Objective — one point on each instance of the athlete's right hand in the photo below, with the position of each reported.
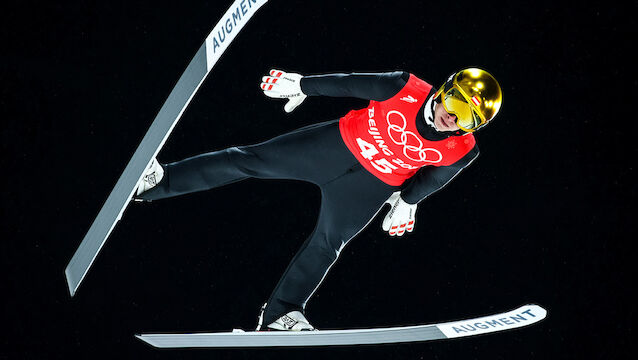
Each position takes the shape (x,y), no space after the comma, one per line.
(283,85)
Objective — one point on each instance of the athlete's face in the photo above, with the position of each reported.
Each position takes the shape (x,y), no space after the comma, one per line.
(444,121)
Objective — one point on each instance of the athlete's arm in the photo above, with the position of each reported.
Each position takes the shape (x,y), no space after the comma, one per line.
(369,86)
(429,179)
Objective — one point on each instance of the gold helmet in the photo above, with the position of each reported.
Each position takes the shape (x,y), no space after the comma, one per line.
(473,96)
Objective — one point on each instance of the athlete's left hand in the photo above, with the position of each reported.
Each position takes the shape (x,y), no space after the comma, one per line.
(284,85)
(400,218)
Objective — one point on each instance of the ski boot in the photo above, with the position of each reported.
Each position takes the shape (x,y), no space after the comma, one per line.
(152,176)
(292,321)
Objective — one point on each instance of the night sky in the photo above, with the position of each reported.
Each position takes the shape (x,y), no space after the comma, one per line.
(542,216)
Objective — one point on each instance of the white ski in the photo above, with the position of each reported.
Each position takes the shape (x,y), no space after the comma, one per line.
(216,43)
(523,316)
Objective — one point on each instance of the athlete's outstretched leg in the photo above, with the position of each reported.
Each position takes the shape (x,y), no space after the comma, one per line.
(312,153)
(348,203)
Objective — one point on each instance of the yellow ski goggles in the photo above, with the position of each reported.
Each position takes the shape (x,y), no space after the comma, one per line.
(457,104)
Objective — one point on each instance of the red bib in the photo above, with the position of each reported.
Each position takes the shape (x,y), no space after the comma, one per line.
(384,138)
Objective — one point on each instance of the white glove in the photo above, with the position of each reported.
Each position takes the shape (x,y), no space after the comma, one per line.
(284,85)
(400,218)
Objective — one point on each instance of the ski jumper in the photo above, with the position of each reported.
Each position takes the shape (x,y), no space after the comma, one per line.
(328,154)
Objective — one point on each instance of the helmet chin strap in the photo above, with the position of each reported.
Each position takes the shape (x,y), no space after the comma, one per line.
(428,112)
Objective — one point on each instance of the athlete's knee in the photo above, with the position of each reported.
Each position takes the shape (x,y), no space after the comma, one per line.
(328,245)
(238,154)
(246,159)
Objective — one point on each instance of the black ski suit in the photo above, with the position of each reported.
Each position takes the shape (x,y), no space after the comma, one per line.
(350,195)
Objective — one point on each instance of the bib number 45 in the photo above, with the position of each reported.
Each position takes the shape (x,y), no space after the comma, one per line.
(368,151)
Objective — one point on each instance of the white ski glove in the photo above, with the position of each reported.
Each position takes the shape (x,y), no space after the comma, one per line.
(284,85)
(400,218)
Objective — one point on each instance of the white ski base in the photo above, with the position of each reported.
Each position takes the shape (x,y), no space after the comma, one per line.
(523,316)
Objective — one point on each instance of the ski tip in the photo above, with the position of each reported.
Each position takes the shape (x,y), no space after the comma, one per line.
(522,316)
(537,309)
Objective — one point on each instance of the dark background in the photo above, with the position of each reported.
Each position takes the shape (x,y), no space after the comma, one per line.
(543,216)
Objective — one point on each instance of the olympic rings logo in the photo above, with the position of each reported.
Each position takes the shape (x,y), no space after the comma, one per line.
(412,145)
